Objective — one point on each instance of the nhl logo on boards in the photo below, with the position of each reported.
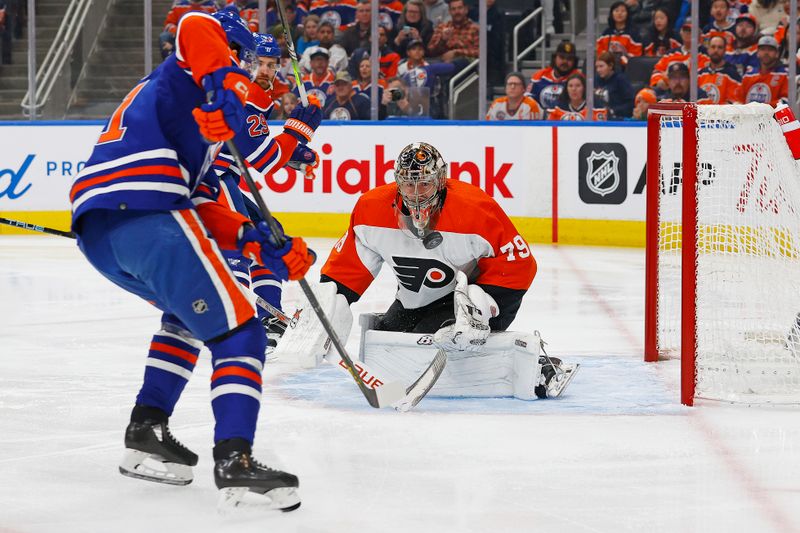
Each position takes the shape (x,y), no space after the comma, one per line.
(602,173)
(199,306)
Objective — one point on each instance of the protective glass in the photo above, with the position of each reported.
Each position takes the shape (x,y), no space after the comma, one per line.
(248,61)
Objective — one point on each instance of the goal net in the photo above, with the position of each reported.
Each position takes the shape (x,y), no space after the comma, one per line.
(723,252)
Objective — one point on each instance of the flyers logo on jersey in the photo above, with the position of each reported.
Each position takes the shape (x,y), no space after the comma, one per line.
(413,273)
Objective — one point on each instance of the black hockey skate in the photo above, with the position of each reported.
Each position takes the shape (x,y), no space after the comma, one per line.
(554,378)
(152,453)
(245,483)
(275,329)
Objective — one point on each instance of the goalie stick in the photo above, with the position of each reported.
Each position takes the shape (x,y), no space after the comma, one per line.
(413,394)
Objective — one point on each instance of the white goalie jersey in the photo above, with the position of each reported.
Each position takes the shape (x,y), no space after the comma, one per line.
(477,238)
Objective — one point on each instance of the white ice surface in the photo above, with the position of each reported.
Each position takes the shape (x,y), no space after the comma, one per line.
(616,453)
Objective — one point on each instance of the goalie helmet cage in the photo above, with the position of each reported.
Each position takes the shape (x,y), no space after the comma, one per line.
(722,281)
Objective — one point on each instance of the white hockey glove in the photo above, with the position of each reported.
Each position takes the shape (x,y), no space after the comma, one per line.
(473,309)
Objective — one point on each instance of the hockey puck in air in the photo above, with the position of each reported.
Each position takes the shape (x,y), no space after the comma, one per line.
(432,240)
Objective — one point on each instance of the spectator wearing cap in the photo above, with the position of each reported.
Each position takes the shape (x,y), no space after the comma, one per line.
(309,36)
(642,102)
(180,8)
(319,81)
(744,55)
(720,25)
(547,84)
(678,86)
(660,38)
(515,105)
(620,37)
(437,11)
(417,73)
(340,13)
(357,34)
(612,88)
(658,79)
(346,104)
(770,82)
(412,26)
(455,41)
(337,54)
(389,59)
(719,79)
(769,14)
(572,102)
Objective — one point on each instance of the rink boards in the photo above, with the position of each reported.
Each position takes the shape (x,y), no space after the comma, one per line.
(571,183)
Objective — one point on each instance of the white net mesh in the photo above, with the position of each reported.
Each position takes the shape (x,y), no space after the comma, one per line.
(748,255)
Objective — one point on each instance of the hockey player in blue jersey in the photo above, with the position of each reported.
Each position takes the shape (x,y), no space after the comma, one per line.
(136,209)
(266,155)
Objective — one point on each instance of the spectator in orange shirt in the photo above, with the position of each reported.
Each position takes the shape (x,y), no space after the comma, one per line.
(167,38)
(572,102)
(719,79)
(514,105)
(770,83)
(658,79)
(620,37)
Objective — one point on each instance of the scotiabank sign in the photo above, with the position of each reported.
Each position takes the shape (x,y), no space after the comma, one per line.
(512,164)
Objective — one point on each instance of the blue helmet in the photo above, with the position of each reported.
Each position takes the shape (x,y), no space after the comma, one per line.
(236,30)
(266,45)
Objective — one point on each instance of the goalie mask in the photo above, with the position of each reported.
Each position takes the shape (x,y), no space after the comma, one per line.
(420,173)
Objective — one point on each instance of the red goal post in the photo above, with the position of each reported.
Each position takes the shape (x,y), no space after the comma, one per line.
(723,226)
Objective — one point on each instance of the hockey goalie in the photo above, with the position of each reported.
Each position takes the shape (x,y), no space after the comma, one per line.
(462,270)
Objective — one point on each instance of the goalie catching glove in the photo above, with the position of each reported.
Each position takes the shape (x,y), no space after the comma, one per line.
(289,262)
(473,309)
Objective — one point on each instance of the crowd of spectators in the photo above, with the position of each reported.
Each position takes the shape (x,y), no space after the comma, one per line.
(421,44)
(642,56)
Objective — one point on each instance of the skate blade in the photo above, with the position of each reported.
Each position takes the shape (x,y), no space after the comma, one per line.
(148,467)
(234,500)
(560,382)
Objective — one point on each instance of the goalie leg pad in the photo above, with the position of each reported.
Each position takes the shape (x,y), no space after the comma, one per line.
(507,366)
(307,342)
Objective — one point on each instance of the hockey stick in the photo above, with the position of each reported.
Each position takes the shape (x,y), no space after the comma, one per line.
(414,394)
(382,396)
(36,227)
(301,89)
